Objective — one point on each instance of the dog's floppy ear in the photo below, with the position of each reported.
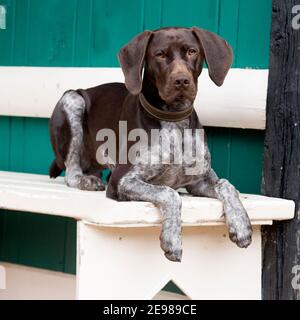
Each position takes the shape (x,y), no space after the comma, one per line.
(131,58)
(217,54)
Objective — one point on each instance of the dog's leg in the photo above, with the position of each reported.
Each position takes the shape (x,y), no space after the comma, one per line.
(169,203)
(74,107)
(240,230)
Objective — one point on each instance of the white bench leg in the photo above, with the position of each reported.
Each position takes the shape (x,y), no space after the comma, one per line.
(127,263)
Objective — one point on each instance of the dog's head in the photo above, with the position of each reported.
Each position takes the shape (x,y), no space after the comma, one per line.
(173,60)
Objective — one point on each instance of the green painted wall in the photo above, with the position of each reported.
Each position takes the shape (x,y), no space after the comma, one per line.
(89,33)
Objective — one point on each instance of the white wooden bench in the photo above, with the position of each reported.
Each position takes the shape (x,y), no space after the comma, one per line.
(118,252)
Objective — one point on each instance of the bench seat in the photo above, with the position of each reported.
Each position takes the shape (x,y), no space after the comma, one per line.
(118,253)
(40,194)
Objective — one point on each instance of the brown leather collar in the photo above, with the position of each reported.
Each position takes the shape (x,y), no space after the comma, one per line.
(171,116)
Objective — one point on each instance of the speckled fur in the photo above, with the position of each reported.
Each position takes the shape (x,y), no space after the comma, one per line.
(74,106)
(158,184)
(239,226)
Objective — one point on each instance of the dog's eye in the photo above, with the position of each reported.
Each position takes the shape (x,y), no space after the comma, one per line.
(191,51)
(160,54)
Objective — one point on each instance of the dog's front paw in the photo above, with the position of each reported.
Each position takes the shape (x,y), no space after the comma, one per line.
(172,246)
(240,230)
(91,183)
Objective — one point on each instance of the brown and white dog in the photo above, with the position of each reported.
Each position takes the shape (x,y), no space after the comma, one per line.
(172,60)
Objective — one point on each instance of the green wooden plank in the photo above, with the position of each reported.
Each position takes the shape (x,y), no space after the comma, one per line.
(237,156)
(152,14)
(42,241)
(70,247)
(19,50)
(114,23)
(220,150)
(203,13)
(83,31)
(38,153)
(90,33)
(5,142)
(50,34)
(17,144)
(7,35)
(228,23)
(254,33)
(10,244)
(246,160)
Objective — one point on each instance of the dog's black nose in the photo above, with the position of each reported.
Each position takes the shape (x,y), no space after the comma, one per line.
(181,82)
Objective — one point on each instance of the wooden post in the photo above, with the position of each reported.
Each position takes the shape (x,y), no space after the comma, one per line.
(281,242)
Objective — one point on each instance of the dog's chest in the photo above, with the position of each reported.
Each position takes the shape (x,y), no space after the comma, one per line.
(173,156)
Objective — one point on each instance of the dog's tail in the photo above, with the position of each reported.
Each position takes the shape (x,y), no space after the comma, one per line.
(54,170)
